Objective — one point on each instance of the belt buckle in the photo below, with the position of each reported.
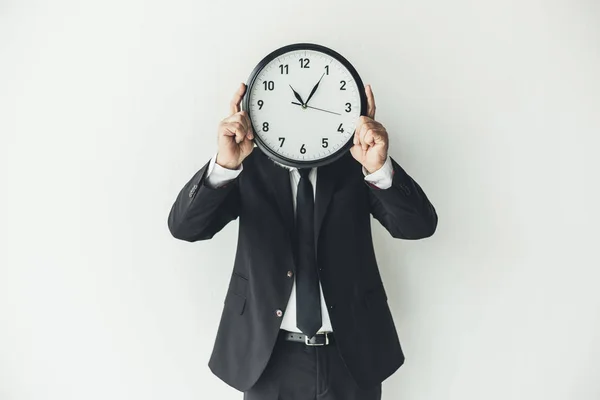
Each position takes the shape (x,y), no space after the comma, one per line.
(306,340)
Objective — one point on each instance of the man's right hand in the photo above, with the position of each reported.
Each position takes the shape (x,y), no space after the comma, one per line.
(235,135)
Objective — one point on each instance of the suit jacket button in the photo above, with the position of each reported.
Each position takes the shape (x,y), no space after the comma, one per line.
(290,274)
(193,191)
(279,313)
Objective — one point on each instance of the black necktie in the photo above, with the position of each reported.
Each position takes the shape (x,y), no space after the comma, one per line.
(308,306)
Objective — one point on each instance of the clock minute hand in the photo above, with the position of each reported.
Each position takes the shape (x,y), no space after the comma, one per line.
(315,108)
(297,96)
(314,89)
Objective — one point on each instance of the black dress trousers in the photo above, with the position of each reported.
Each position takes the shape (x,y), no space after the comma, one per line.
(296,371)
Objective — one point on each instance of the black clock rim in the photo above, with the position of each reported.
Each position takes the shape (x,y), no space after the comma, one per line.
(294,47)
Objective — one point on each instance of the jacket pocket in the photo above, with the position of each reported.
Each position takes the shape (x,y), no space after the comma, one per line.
(238,284)
(375,297)
(235,302)
(235,299)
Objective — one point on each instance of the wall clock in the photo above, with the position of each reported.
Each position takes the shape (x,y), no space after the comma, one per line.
(304,101)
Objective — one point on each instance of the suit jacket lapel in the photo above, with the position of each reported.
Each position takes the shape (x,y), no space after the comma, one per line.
(326,183)
(279,179)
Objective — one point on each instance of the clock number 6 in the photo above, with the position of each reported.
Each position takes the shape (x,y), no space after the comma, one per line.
(302,149)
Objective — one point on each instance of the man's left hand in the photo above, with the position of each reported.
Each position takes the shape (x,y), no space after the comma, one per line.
(370,138)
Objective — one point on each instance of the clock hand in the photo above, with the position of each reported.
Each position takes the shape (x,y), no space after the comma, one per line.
(314,90)
(315,108)
(297,96)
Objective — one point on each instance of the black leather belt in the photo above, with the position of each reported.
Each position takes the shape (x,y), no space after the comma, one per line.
(320,339)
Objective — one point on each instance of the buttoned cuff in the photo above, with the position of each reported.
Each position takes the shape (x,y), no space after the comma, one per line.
(217,176)
(382,178)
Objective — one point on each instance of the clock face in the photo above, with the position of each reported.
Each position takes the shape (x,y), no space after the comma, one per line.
(304,102)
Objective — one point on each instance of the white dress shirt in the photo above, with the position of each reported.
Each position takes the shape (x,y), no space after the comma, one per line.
(217,176)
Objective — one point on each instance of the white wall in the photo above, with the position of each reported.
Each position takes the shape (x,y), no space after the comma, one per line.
(107,108)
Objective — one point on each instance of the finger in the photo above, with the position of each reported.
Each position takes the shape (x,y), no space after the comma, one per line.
(234,106)
(370,102)
(224,129)
(361,121)
(246,146)
(235,129)
(379,135)
(248,125)
(363,132)
(240,118)
(369,126)
(369,139)
(355,140)
(240,135)
(360,129)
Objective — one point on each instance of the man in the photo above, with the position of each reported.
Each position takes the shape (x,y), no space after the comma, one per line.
(305,315)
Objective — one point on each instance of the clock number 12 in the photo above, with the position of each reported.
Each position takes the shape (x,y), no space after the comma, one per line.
(304,63)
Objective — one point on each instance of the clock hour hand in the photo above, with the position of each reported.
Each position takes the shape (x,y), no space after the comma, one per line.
(297,96)
(315,108)
(314,89)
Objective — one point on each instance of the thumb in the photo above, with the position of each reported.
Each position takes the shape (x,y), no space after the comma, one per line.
(370,102)
(246,146)
(356,152)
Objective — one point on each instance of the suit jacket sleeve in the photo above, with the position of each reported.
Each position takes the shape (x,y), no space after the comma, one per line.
(403,209)
(201,210)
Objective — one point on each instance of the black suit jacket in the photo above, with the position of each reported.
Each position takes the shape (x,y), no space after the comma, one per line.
(259,286)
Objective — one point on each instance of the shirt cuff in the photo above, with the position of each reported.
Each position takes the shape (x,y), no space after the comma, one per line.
(217,176)
(382,178)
